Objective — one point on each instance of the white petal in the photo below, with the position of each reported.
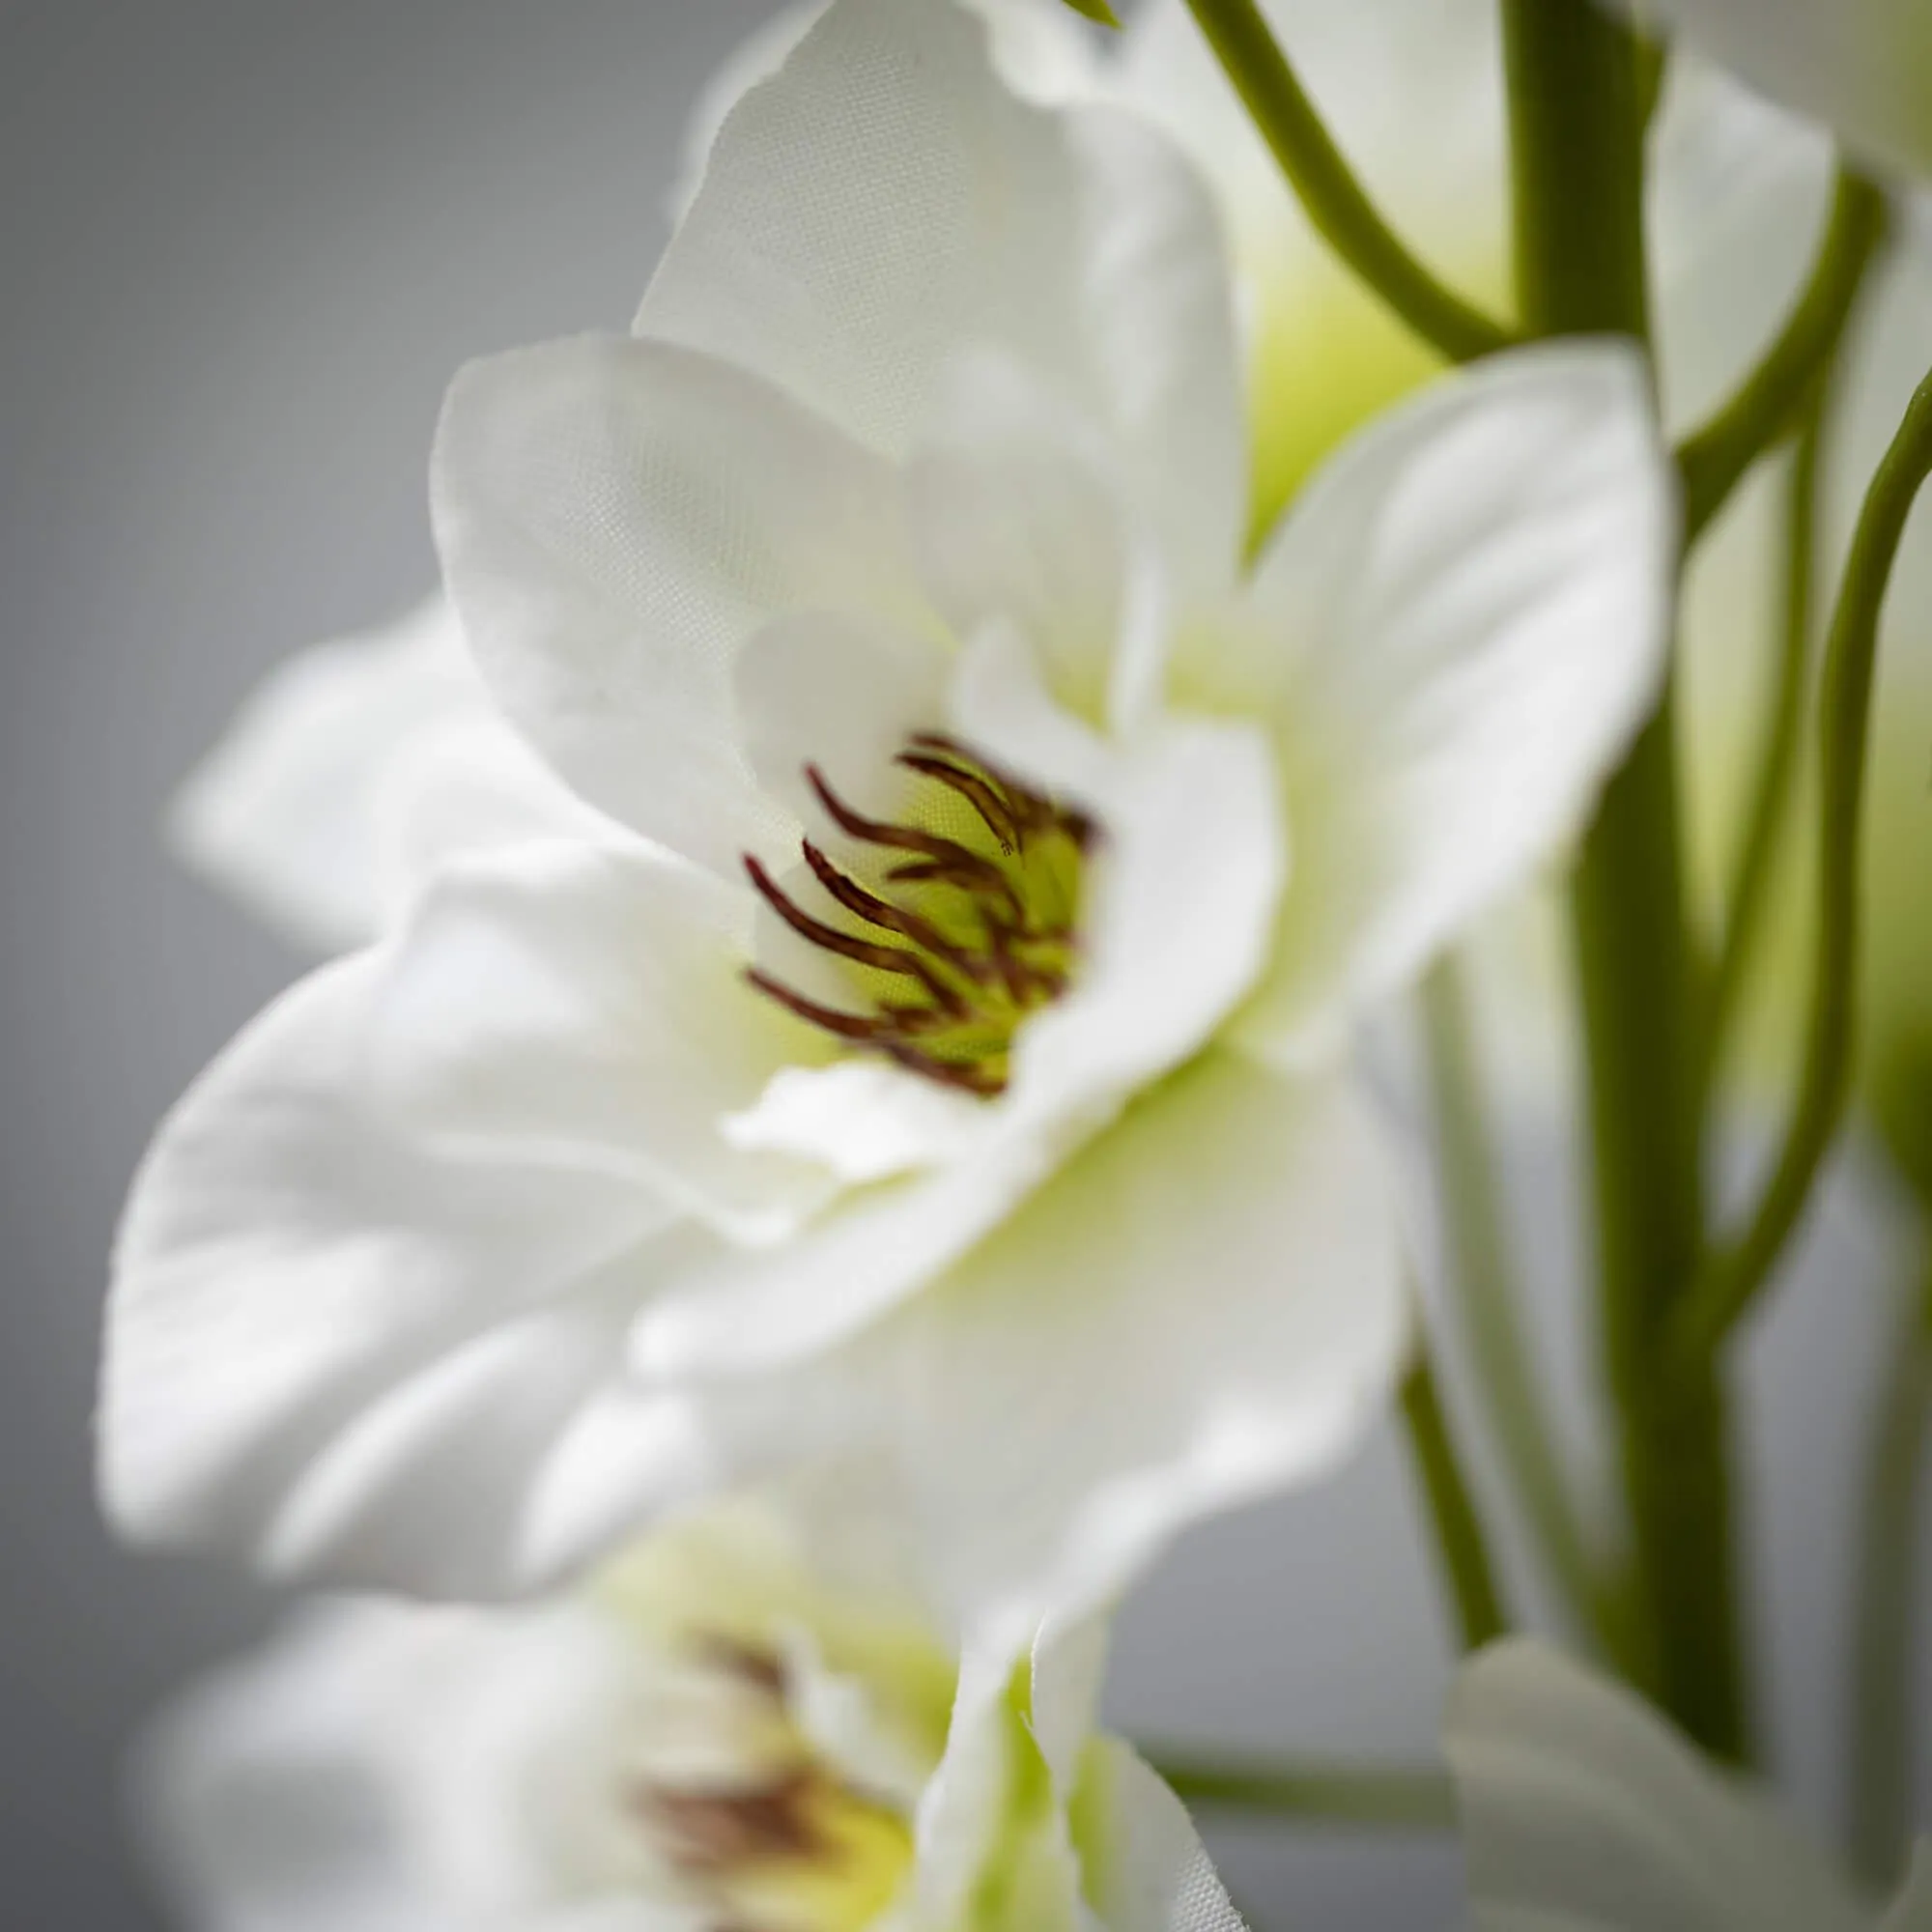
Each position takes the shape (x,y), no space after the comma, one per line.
(285,813)
(1454,635)
(1040,52)
(885,204)
(845,695)
(1017,520)
(1206,1304)
(1152,1872)
(1582,1812)
(1737,193)
(1862,66)
(309,1310)
(616,521)
(584,1009)
(382,1768)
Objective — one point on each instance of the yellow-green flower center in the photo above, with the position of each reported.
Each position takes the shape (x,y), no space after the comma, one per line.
(785,1843)
(971,926)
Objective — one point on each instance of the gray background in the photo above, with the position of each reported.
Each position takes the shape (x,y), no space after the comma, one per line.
(242,245)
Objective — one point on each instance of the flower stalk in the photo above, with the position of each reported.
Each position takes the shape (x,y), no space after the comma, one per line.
(1891,1564)
(1575,84)
(1736,1273)
(1328,1795)
(1459,1531)
(1486,1289)
(1335,201)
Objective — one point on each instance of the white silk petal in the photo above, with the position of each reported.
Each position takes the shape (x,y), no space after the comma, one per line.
(328,1346)
(950,218)
(1582,1812)
(570,1008)
(1456,634)
(1863,68)
(616,520)
(1205,1305)
(1155,1874)
(350,770)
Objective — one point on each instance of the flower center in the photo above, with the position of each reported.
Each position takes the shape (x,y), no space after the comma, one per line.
(982,907)
(784,1843)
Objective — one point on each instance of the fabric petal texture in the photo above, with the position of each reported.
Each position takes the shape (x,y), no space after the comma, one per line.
(1863,68)
(1582,1812)
(1457,631)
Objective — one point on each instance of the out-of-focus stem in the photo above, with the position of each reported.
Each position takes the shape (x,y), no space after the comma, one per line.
(1460,1541)
(1736,1273)
(1486,1293)
(1771,799)
(1576,81)
(1320,1794)
(1891,1564)
(1335,201)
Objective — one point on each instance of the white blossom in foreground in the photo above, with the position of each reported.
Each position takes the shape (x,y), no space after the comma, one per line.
(1861,67)
(972,1089)
(1582,1812)
(716,1736)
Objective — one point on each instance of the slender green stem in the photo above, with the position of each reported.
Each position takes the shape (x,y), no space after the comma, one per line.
(1576,97)
(1736,1273)
(1320,1794)
(1715,459)
(1459,1531)
(1890,1570)
(1486,1293)
(1335,201)
(1769,813)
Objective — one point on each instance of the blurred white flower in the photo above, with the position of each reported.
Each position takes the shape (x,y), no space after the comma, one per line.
(733,1730)
(1861,67)
(897,559)
(354,772)
(1582,1812)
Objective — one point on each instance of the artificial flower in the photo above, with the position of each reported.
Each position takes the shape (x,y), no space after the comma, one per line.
(1582,1812)
(737,1726)
(970,1085)
(1861,67)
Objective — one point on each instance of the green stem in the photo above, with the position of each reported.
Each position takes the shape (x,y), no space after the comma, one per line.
(1736,1273)
(1321,1794)
(1575,121)
(1335,201)
(1715,459)
(1485,1288)
(1890,1562)
(1452,1510)
(1767,816)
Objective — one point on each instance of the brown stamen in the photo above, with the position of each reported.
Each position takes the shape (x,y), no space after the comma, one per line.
(882,913)
(901,837)
(992,809)
(864,952)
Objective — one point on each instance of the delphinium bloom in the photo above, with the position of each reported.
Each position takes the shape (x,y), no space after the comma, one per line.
(1582,1812)
(955,1065)
(743,1724)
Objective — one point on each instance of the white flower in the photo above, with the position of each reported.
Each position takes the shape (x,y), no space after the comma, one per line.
(1582,1812)
(720,1735)
(899,555)
(1862,66)
(354,772)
